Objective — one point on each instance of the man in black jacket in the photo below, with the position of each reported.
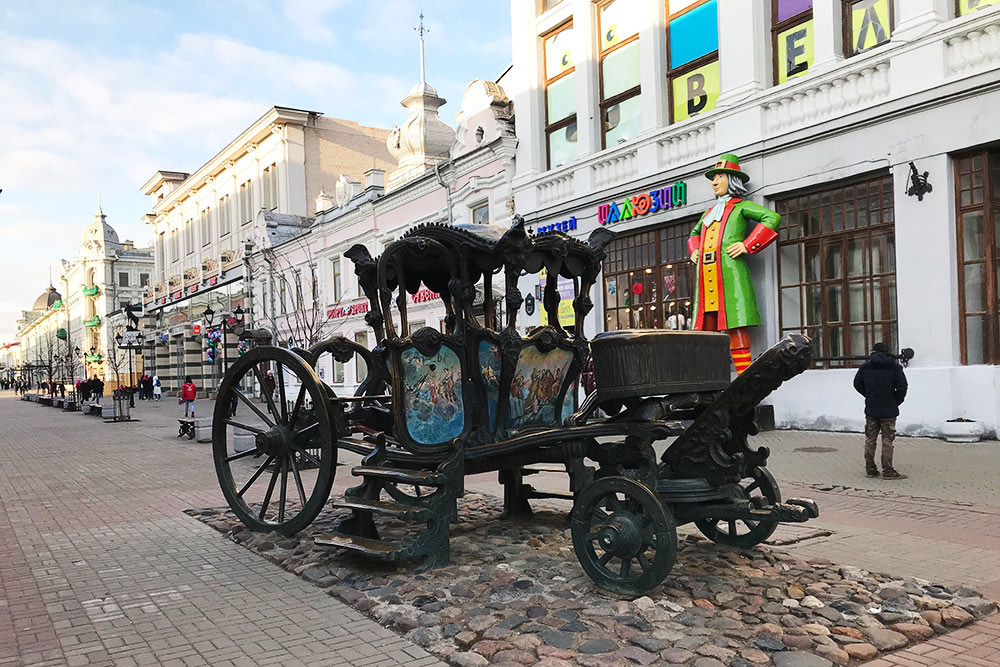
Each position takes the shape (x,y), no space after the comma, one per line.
(881,381)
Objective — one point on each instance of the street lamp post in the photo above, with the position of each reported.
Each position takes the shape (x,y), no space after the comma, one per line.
(238,316)
(130,344)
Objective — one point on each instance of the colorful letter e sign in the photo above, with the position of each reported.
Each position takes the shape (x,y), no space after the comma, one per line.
(795,51)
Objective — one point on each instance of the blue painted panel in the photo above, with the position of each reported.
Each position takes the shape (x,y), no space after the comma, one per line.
(694,34)
(534,393)
(432,395)
(489,368)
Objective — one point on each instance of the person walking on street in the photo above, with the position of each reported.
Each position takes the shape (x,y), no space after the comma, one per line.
(188,394)
(882,382)
(157,389)
(269,385)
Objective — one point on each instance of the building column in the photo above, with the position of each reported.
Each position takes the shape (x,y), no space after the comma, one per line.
(915,16)
(744,69)
(588,72)
(911,69)
(926,265)
(828,34)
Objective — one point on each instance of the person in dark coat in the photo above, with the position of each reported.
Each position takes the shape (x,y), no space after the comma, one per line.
(882,382)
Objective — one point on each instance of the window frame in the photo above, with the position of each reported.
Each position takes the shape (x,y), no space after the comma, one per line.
(624,255)
(778,28)
(673,73)
(479,207)
(336,281)
(635,91)
(848,27)
(958,9)
(189,236)
(206,226)
(359,361)
(551,127)
(225,216)
(990,209)
(882,284)
(125,275)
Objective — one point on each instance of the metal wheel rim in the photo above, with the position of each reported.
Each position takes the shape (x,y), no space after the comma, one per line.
(624,537)
(744,532)
(280,465)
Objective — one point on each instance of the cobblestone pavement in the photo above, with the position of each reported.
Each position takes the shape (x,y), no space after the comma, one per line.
(99,565)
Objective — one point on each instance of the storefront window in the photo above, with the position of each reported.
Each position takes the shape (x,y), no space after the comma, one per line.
(867,24)
(977,177)
(791,38)
(837,268)
(692,57)
(648,279)
(560,96)
(970,6)
(619,57)
(361,368)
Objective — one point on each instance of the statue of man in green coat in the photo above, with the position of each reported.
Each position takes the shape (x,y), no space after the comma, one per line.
(724,296)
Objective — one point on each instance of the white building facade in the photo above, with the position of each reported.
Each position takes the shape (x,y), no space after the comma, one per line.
(204,223)
(86,312)
(307,285)
(827,103)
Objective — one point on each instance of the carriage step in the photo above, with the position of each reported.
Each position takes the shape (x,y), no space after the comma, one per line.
(810,505)
(401,475)
(363,545)
(406,512)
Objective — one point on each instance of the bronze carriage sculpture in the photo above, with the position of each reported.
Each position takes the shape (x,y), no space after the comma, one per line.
(479,397)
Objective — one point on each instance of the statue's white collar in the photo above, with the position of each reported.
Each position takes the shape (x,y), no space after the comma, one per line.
(717,211)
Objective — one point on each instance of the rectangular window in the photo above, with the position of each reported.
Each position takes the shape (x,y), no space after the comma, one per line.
(189,236)
(123,279)
(225,216)
(143,280)
(969,6)
(361,368)
(692,57)
(618,26)
(481,214)
(269,187)
(546,5)
(338,291)
(246,203)
(560,96)
(206,226)
(977,191)
(415,326)
(648,279)
(281,294)
(175,246)
(867,24)
(161,251)
(791,38)
(837,268)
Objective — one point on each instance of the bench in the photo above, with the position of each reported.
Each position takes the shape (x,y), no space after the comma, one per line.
(185,427)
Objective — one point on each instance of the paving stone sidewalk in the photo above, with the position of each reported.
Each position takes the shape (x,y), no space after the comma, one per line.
(99,565)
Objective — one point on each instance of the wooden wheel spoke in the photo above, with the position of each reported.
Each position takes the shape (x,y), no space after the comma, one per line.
(299,400)
(298,479)
(249,404)
(304,431)
(644,563)
(593,537)
(267,393)
(249,452)
(245,427)
(751,524)
(599,514)
(267,496)
(732,527)
(752,486)
(281,392)
(283,497)
(254,477)
(626,566)
(603,560)
(307,456)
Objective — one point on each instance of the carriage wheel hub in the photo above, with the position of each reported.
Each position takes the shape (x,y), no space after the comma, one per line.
(621,536)
(275,442)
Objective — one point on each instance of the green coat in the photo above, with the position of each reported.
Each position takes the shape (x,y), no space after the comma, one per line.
(738,307)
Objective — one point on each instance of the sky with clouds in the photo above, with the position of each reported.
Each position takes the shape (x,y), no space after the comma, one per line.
(98,95)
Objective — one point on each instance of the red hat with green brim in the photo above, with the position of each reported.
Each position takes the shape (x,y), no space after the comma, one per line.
(728,164)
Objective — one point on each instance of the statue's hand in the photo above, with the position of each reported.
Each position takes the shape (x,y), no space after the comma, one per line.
(694,256)
(736,249)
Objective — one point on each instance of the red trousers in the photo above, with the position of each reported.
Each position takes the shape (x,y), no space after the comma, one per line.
(739,341)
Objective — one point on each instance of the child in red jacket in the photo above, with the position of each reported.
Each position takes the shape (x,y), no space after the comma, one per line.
(188,394)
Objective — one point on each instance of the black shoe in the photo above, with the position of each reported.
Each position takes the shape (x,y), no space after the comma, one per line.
(872,473)
(893,474)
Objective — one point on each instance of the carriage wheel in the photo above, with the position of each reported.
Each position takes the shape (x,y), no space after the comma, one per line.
(283,480)
(760,489)
(624,537)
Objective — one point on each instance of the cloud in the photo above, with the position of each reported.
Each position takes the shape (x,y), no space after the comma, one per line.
(308,17)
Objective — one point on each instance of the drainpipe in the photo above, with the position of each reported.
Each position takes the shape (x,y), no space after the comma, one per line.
(447,191)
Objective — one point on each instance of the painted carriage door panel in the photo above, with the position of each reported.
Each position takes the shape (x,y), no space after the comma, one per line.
(534,392)
(489,370)
(432,395)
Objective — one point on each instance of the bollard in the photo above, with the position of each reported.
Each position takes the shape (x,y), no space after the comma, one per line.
(203,429)
(243,440)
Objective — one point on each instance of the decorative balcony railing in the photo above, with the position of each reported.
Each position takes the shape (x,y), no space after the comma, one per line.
(555,189)
(615,169)
(977,49)
(93,290)
(93,322)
